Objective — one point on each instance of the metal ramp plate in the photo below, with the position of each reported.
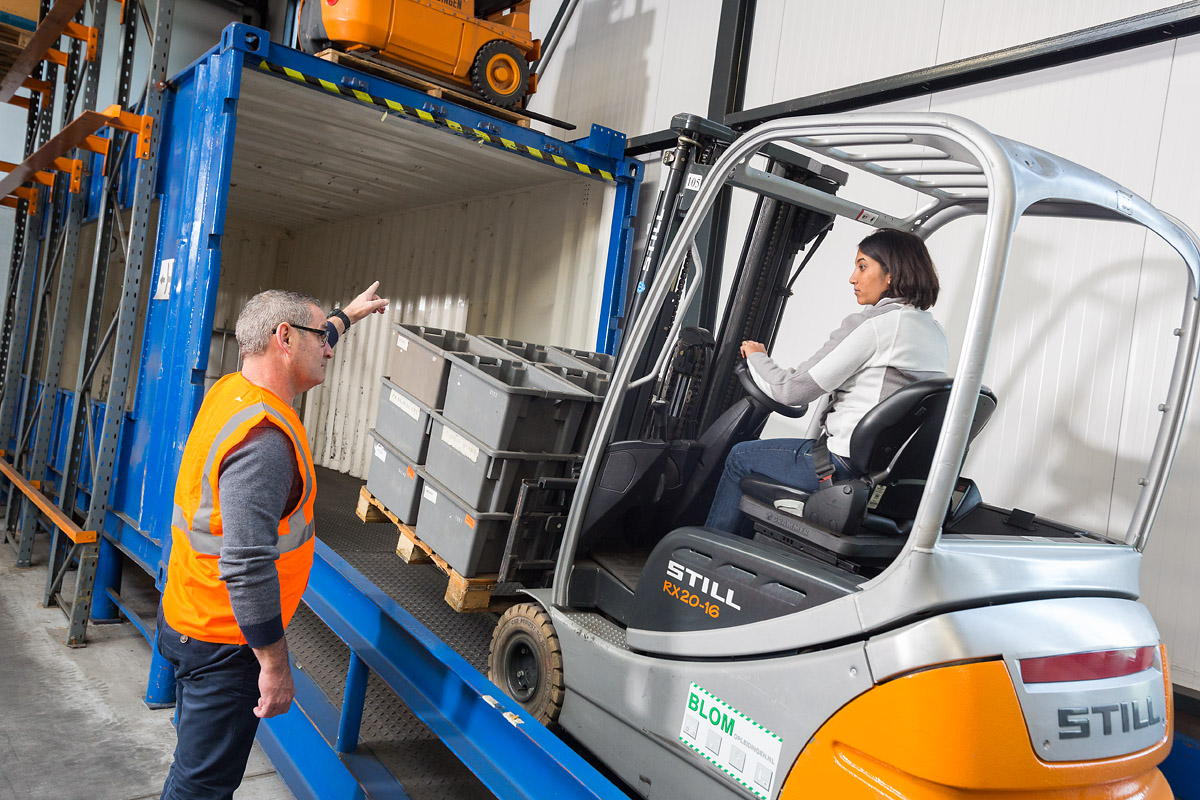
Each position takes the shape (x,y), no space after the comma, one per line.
(418,759)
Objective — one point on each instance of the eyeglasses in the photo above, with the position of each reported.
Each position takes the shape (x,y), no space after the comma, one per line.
(322,334)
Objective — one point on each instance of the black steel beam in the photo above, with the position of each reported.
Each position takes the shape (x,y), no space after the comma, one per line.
(735,34)
(1112,37)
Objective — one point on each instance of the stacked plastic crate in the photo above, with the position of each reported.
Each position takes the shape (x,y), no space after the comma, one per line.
(464,420)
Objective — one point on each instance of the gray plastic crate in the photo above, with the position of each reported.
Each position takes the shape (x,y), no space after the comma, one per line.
(485,478)
(512,405)
(595,384)
(394,480)
(403,421)
(583,368)
(601,362)
(543,354)
(471,541)
(418,362)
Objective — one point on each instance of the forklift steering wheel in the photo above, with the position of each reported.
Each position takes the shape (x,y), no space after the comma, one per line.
(761,398)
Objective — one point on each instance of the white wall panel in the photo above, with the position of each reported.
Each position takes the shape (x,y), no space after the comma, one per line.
(1061,346)
(982,26)
(1169,585)
(527,265)
(629,65)
(804,48)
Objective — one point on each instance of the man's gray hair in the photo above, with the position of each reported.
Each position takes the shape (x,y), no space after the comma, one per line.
(263,313)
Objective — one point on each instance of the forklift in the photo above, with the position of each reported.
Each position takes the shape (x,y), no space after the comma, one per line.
(483,45)
(888,635)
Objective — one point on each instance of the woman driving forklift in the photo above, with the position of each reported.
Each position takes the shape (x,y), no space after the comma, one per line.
(892,342)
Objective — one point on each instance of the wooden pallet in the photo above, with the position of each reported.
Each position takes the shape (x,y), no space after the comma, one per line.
(12,42)
(391,72)
(462,594)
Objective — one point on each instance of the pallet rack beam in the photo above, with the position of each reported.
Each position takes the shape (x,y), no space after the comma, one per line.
(80,133)
(52,26)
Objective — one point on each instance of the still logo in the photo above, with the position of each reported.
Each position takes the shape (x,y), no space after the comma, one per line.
(1077,723)
(701,584)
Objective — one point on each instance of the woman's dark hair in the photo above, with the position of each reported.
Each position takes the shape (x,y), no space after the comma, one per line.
(905,258)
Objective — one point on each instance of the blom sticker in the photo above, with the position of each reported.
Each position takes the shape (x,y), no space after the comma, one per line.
(731,741)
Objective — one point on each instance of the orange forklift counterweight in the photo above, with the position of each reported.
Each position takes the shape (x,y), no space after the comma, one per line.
(958,732)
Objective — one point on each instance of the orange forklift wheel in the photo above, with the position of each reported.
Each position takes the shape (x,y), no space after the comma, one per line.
(500,74)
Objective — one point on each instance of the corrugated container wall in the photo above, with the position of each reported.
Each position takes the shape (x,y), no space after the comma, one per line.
(1084,342)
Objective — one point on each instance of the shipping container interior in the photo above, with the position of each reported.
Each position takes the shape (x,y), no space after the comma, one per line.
(326,196)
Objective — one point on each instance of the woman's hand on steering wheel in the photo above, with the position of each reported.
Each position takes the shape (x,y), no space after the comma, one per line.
(757,395)
(749,347)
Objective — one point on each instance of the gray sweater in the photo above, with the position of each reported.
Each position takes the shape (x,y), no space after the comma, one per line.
(873,353)
(259,485)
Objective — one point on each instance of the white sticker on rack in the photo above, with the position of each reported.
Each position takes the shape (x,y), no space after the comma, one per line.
(429,494)
(401,342)
(380,453)
(866,216)
(731,741)
(457,442)
(404,404)
(165,270)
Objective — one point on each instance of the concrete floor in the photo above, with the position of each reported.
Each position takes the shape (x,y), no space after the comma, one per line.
(72,721)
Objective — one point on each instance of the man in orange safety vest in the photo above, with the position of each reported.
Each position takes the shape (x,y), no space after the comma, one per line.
(242,539)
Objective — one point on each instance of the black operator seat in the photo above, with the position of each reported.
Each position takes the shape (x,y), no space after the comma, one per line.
(867,517)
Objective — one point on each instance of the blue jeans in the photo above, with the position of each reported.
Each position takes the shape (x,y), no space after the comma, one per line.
(788,461)
(216,692)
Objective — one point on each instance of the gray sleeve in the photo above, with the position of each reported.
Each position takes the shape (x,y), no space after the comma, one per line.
(254,485)
(837,360)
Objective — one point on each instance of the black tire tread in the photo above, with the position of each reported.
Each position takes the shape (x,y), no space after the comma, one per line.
(479,77)
(537,623)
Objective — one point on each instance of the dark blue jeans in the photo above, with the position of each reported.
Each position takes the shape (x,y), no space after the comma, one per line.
(788,461)
(216,690)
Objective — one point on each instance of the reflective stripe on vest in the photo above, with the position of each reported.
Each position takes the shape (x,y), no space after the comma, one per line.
(200,534)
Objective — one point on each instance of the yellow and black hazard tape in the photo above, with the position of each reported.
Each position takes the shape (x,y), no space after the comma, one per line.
(425,116)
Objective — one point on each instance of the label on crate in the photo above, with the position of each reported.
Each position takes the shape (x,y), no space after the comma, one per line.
(470,521)
(404,404)
(380,453)
(429,494)
(402,342)
(458,443)
(725,737)
(412,474)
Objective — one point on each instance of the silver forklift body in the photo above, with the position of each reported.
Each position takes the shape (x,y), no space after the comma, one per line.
(658,703)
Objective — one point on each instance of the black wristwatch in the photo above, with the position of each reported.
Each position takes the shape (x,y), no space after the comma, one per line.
(337,312)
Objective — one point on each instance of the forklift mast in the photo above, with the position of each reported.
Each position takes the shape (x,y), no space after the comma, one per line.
(697,384)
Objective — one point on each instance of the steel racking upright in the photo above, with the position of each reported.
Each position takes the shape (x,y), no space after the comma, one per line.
(46,246)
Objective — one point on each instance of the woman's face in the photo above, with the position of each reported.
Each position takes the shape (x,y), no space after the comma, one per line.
(869,280)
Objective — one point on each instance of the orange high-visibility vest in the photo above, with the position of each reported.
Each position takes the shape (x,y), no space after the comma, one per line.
(196,601)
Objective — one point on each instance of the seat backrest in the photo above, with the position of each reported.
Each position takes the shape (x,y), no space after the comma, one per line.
(897,437)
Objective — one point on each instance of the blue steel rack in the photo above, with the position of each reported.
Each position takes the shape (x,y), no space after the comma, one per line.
(512,753)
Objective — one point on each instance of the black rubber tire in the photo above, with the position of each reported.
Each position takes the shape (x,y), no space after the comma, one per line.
(494,60)
(525,661)
(310,34)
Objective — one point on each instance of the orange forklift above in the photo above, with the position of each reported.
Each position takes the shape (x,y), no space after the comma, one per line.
(481,44)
